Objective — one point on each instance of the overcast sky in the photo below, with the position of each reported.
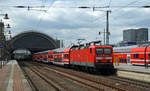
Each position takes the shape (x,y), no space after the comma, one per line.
(64,22)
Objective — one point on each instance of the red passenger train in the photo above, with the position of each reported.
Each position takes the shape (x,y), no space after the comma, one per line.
(91,56)
(122,54)
(139,55)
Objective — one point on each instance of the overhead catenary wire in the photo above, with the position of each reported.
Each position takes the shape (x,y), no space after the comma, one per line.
(109,3)
(128,6)
(121,7)
(44,15)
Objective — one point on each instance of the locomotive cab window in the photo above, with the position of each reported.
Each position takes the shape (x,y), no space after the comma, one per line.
(107,50)
(99,50)
(136,55)
(90,50)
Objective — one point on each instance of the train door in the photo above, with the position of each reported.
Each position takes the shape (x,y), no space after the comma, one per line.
(128,58)
(116,60)
(62,58)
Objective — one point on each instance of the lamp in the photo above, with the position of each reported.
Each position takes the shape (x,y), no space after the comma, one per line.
(6,16)
(9,32)
(8,26)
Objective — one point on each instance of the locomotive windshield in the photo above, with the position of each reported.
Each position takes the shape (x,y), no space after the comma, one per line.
(99,50)
(103,50)
(107,50)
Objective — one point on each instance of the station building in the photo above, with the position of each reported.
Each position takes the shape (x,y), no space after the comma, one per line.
(134,37)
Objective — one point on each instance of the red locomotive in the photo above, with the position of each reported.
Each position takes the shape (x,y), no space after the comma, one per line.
(91,56)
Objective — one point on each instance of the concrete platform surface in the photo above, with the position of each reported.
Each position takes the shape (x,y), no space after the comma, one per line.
(12,78)
(130,67)
(138,72)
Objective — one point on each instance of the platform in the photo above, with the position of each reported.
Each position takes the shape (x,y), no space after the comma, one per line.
(130,67)
(12,78)
(138,72)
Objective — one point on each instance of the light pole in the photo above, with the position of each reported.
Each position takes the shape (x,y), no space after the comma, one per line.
(107,27)
(7,33)
(104,35)
(2,40)
(5,16)
(6,42)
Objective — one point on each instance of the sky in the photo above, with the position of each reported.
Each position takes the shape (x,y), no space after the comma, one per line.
(62,20)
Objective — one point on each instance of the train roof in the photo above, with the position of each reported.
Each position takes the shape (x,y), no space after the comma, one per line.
(124,48)
(55,50)
(42,52)
(59,50)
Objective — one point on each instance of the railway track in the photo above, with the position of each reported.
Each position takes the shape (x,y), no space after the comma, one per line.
(50,81)
(101,82)
(30,81)
(73,79)
(36,74)
(132,82)
(42,73)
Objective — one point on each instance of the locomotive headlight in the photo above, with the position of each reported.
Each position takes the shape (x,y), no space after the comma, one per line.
(97,60)
(110,60)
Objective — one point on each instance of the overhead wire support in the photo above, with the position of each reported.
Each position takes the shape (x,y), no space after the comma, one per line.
(107,27)
(84,7)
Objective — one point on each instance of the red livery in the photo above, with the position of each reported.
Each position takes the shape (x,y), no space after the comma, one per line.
(140,55)
(132,54)
(91,56)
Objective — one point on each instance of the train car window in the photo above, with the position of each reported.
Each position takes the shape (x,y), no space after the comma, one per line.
(90,50)
(66,56)
(125,60)
(149,56)
(50,56)
(121,60)
(107,51)
(99,51)
(136,55)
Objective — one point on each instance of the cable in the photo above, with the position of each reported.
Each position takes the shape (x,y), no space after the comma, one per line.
(116,10)
(127,5)
(109,3)
(119,8)
(44,14)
